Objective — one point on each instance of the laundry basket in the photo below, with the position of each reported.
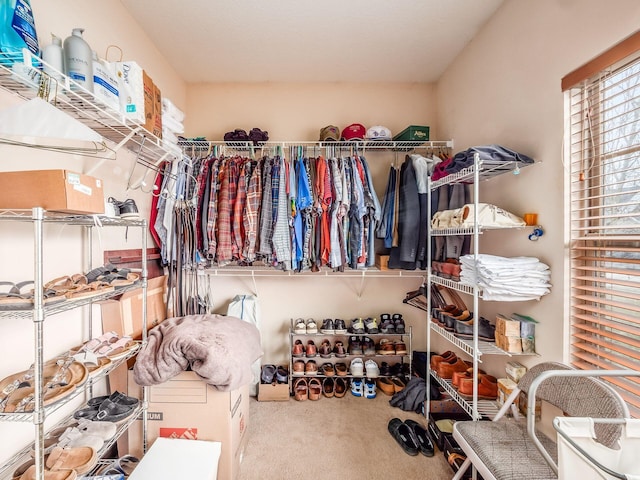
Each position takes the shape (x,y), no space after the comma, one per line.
(580,456)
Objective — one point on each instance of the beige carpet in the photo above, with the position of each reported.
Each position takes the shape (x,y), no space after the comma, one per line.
(332,438)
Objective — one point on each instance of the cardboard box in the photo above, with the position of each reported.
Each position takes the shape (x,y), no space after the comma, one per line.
(273,392)
(505,387)
(515,370)
(56,190)
(157,112)
(124,316)
(507,327)
(178,458)
(186,407)
(382,262)
(509,344)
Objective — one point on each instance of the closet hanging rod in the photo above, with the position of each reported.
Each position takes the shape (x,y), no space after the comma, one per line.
(200,145)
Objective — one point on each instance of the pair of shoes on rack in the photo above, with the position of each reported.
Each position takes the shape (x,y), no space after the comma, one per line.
(363,387)
(486,331)
(124,465)
(61,377)
(304,389)
(272,374)
(335,387)
(115,408)
(302,326)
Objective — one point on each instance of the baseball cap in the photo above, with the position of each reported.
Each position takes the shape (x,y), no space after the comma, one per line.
(378,133)
(355,131)
(330,132)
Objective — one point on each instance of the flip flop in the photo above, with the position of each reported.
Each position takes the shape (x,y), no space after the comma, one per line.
(13,299)
(96,342)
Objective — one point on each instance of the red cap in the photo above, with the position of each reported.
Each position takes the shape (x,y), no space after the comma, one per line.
(355,131)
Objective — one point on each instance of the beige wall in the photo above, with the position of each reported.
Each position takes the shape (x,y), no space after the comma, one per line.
(505,88)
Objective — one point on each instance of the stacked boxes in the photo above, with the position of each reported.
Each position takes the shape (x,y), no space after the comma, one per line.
(515,334)
(140,100)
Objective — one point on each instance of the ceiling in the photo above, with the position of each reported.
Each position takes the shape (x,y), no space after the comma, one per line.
(311,40)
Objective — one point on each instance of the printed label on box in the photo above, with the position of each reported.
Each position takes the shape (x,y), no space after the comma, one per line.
(185,433)
(73,178)
(83,189)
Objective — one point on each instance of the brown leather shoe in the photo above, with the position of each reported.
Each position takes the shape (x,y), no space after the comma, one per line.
(398,384)
(340,388)
(400,348)
(386,347)
(328,387)
(436,359)
(315,389)
(446,368)
(487,387)
(298,349)
(326,349)
(300,389)
(341,369)
(311,350)
(458,376)
(311,368)
(298,368)
(386,386)
(327,369)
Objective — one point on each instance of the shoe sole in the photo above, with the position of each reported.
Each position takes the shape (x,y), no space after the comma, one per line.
(328,332)
(340,332)
(358,373)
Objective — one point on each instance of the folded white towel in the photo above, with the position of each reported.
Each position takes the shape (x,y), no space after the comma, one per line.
(170,110)
(172,124)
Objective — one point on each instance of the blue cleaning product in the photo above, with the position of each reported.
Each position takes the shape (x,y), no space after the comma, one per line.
(17,31)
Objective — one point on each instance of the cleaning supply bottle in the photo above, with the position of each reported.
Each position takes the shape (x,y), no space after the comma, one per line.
(54,58)
(78,60)
(17,31)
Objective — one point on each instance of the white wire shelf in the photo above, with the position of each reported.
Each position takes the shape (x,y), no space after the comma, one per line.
(69,304)
(28,416)
(445,232)
(265,271)
(6,470)
(486,408)
(452,284)
(484,348)
(82,105)
(200,145)
(487,169)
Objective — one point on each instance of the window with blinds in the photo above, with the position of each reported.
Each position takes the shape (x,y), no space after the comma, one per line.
(604,173)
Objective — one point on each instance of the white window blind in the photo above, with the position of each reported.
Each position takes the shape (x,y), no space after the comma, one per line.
(604,150)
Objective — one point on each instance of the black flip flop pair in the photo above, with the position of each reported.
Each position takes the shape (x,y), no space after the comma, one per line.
(411,436)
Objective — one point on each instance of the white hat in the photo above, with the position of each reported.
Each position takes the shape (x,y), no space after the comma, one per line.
(378,132)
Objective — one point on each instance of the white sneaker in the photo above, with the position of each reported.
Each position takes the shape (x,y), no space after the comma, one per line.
(312,326)
(369,388)
(372,369)
(356,367)
(300,327)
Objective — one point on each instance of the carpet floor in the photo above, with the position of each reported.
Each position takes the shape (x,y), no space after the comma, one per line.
(332,438)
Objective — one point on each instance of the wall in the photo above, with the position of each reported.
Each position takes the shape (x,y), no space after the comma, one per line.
(297,112)
(505,88)
(106,23)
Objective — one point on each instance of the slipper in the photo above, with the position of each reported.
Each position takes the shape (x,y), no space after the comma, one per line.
(104,430)
(30,474)
(80,459)
(115,397)
(117,348)
(13,299)
(127,464)
(90,290)
(22,399)
(96,342)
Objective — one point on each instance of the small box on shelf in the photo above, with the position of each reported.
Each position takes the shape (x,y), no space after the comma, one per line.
(382,262)
(273,392)
(515,370)
(505,388)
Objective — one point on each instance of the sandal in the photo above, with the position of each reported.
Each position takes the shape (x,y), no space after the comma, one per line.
(90,290)
(13,299)
(80,459)
(117,348)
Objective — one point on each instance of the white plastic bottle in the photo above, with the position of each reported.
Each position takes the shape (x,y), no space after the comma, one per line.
(53,57)
(78,58)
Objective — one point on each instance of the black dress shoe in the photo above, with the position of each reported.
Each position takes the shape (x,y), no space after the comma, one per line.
(404,436)
(424,442)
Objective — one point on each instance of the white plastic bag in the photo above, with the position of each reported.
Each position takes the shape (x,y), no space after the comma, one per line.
(572,464)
